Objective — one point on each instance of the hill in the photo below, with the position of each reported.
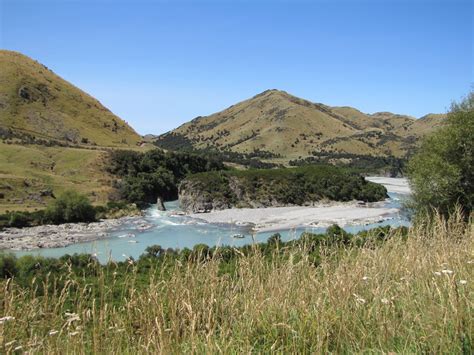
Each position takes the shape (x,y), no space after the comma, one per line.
(36,102)
(53,136)
(288,127)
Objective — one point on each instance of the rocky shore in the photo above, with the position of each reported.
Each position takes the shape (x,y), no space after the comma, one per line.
(54,236)
(283,218)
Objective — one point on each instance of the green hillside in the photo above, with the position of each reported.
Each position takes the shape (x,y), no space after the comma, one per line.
(291,128)
(53,136)
(35,101)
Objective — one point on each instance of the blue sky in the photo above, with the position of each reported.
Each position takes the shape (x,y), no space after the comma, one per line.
(158,64)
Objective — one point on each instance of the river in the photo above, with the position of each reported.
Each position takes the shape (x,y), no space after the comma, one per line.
(169,230)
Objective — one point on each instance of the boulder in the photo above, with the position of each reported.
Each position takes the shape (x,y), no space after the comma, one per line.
(160,205)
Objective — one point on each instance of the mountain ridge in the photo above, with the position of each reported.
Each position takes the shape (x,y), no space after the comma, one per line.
(292,127)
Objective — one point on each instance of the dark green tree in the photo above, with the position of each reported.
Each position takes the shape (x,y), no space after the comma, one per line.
(442,172)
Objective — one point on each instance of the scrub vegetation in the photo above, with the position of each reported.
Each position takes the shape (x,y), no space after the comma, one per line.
(276,187)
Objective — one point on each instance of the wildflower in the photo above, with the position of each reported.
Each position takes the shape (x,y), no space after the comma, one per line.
(437,273)
(463,282)
(365,278)
(359,299)
(6,319)
(53,332)
(447,271)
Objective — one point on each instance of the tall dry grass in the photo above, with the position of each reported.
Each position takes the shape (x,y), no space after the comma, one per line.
(412,296)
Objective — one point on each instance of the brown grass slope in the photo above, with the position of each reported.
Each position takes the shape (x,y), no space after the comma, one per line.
(34,100)
(280,123)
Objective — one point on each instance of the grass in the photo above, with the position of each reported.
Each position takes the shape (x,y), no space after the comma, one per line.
(52,107)
(26,170)
(412,295)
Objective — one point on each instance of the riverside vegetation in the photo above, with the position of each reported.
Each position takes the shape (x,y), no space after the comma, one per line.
(380,291)
(275,187)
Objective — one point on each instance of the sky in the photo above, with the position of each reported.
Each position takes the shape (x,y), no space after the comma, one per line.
(158,64)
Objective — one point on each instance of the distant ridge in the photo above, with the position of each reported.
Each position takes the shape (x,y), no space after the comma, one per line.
(36,101)
(285,125)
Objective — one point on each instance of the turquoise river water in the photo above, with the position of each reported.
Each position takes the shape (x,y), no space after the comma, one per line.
(177,232)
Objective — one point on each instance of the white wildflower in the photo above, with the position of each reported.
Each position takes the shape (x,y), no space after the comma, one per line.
(359,299)
(365,278)
(463,282)
(447,271)
(6,319)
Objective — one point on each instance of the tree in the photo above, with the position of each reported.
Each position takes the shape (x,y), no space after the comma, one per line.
(442,172)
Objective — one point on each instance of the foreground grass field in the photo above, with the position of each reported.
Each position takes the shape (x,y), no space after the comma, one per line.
(406,295)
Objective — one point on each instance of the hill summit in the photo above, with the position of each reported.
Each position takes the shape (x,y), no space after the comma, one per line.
(37,102)
(290,127)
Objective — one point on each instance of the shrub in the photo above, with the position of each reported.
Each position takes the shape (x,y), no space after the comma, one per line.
(18,220)
(70,207)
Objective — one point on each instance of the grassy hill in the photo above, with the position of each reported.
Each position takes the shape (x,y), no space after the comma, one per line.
(35,101)
(53,136)
(29,174)
(277,122)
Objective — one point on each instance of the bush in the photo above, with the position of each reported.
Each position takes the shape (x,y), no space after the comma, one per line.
(70,207)
(18,220)
(442,172)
